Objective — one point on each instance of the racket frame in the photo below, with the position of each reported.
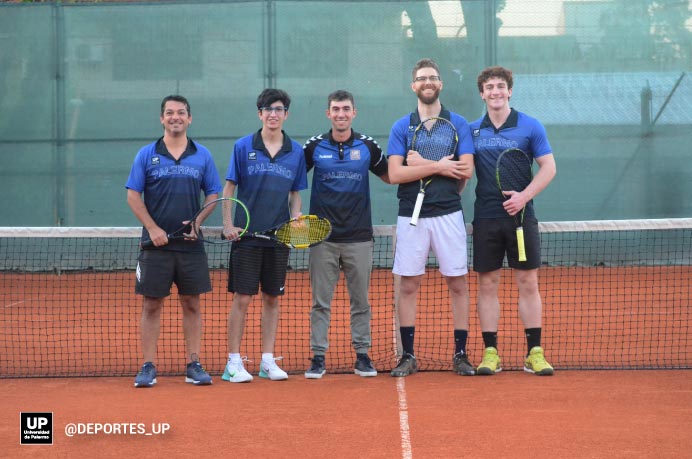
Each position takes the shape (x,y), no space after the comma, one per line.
(194,228)
(272,233)
(519,221)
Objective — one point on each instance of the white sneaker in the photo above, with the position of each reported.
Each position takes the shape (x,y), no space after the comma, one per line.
(236,372)
(272,371)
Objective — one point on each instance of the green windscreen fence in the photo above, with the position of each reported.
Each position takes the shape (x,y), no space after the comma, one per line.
(81,84)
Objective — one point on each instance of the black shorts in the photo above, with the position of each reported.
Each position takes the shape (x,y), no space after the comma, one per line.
(157,270)
(250,266)
(493,238)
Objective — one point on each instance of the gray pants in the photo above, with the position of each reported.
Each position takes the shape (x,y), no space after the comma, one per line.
(325,261)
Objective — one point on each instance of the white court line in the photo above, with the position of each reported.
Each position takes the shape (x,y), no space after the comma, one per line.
(403,420)
(14,304)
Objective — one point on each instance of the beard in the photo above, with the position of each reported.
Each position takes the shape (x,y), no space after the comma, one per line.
(428,100)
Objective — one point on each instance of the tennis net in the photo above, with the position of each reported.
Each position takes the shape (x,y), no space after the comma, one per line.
(616,295)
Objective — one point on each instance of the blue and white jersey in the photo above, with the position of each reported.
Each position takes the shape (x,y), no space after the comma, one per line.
(519,131)
(263,182)
(172,188)
(442,194)
(341,184)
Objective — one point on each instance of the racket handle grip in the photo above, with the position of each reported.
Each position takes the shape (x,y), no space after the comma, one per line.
(416,208)
(520,244)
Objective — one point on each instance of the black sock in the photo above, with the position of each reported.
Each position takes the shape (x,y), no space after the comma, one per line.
(407,338)
(490,339)
(533,338)
(460,337)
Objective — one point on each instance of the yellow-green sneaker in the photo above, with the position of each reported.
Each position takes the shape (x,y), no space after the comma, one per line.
(490,363)
(535,363)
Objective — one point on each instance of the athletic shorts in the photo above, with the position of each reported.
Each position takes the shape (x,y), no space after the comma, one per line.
(493,238)
(157,270)
(444,235)
(250,266)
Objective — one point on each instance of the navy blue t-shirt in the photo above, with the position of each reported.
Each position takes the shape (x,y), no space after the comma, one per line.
(341,185)
(519,131)
(171,187)
(263,182)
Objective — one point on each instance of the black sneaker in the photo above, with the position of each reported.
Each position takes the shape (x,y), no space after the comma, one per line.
(407,366)
(197,375)
(364,366)
(462,366)
(146,376)
(317,369)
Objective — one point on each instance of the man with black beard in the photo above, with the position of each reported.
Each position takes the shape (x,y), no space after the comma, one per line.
(441,225)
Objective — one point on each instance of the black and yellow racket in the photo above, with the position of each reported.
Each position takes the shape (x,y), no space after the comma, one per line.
(214,215)
(513,173)
(433,139)
(297,233)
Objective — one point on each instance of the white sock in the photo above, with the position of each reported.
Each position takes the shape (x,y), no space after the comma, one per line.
(267,357)
(234,358)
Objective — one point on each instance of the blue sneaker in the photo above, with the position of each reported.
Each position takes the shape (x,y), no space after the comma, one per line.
(363,366)
(317,369)
(146,376)
(196,374)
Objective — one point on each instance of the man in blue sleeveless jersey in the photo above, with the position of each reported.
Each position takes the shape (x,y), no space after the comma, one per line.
(163,191)
(494,229)
(441,226)
(341,193)
(268,170)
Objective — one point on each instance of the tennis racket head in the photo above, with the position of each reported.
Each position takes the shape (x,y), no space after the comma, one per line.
(228,215)
(303,232)
(434,138)
(214,215)
(513,170)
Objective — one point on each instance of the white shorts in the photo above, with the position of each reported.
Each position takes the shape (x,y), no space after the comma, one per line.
(445,235)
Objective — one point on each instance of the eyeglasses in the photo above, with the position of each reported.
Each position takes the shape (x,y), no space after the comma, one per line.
(172,112)
(277,110)
(422,79)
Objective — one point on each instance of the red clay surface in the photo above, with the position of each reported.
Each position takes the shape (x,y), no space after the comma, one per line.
(574,414)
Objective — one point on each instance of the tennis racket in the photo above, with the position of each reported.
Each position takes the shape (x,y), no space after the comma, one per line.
(214,214)
(513,173)
(433,139)
(297,233)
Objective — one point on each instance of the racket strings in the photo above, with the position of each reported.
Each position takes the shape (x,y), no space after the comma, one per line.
(437,142)
(514,171)
(304,231)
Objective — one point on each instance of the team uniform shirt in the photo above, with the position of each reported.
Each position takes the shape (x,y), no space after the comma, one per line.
(442,194)
(172,187)
(519,131)
(263,182)
(340,183)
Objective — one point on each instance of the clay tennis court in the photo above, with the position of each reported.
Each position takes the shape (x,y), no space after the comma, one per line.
(577,413)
